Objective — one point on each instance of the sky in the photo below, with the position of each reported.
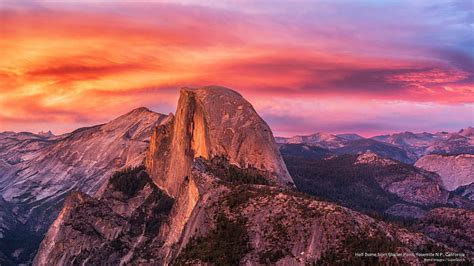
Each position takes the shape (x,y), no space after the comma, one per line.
(369,67)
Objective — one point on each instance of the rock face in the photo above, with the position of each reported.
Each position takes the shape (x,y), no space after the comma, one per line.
(407,182)
(368,183)
(229,200)
(254,224)
(455,170)
(212,122)
(14,147)
(466,192)
(38,171)
(228,223)
(124,221)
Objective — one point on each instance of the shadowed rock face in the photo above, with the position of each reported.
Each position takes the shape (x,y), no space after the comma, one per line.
(466,192)
(37,172)
(455,170)
(111,229)
(211,122)
(268,224)
(278,226)
(81,160)
(232,202)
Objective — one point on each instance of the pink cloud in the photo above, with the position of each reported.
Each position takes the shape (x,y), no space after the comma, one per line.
(85,63)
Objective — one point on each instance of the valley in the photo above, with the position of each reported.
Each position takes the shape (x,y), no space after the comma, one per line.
(211,184)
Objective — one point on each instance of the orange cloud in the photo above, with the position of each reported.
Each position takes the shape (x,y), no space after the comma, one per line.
(72,67)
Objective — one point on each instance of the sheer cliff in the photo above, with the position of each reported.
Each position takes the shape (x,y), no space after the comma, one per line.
(223,196)
(38,171)
(212,122)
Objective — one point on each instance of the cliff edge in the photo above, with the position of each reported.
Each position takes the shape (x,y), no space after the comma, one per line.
(213,122)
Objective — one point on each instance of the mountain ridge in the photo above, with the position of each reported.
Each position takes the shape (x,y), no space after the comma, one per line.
(214,157)
(226,209)
(404,146)
(37,172)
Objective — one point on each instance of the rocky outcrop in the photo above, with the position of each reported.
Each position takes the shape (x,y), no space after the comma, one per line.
(209,123)
(212,122)
(355,180)
(37,172)
(455,170)
(215,220)
(230,201)
(410,184)
(255,224)
(120,227)
(466,192)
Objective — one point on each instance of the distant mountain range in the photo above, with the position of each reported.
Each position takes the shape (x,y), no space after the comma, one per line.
(37,172)
(405,146)
(368,182)
(450,155)
(210,185)
(424,180)
(215,190)
(390,190)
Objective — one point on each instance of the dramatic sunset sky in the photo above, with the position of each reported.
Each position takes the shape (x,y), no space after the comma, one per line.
(368,67)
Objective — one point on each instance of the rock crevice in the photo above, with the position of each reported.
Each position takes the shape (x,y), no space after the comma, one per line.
(212,122)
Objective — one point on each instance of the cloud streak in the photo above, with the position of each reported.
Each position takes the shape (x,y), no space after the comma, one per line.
(70,63)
